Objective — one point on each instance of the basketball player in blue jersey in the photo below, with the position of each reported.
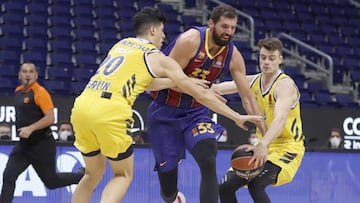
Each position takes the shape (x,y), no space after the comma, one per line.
(102,115)
(283,142)
(177,121)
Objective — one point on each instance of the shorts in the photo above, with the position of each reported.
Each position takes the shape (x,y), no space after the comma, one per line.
(171,130)
(101,124)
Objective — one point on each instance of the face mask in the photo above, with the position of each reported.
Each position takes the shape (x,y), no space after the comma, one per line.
(5,137)
(253,140)
(335,142)
(222,138)
(64,135)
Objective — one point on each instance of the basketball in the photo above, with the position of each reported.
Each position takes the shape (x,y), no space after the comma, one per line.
(239,162)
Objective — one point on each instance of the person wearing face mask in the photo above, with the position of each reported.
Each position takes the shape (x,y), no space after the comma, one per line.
(253,139)
(5,131)
(335,139)
(65,131)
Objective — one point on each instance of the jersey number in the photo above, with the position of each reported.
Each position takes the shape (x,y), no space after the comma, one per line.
(111,65)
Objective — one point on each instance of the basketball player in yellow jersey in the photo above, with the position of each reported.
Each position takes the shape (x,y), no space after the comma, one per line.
(283,143)
(102,116)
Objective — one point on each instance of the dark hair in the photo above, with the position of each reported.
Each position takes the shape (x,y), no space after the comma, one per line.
(29,63)
(223,10)
(335,130)
(63,123)
(271,44)
(147,17)
(5,124)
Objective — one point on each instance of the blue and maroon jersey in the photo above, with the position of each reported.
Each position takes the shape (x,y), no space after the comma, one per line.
(203,66)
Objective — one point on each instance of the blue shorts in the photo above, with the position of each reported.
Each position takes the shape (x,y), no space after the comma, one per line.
(172,129)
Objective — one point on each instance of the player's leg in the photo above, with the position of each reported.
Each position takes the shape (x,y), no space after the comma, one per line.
(204,154)
(16,164)
(164,131)
(123,169)
(43,159)
(95,167)
(200,140)
(258,184)
(229,184)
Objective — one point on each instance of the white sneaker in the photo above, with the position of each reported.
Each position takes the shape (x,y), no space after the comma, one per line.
(180,198)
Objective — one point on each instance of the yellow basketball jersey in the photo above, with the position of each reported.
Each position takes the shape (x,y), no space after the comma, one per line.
(125,73)
(287,150)
(267,100)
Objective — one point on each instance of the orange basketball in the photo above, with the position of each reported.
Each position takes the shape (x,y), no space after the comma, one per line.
(239,162)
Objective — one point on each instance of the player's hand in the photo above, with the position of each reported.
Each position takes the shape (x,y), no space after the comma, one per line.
(251,118)
(260,154)
(25,132)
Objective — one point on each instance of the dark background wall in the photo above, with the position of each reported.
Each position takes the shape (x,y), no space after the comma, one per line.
(316,121)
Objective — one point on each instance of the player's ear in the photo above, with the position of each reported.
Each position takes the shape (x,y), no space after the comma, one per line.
(211,23)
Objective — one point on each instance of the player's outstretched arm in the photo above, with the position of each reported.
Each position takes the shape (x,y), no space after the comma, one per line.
(167,67)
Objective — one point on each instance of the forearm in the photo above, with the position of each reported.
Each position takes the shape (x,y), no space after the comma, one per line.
(251,107)
(274,130)
(44,122)
(227,87)
(209,100)
(160,83)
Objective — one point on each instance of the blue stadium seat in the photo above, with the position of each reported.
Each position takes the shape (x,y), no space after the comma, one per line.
(355,76)
(60,9)
(59,21)
(56,87)
(77,87)
(108,35)
(60,33)
(36,31)
(9,56)
(12,18)
(13,6)
(85,47)
(14,30)
(325,99)
(346,100)
(36,19)
(84,34)
(59,45)
(58,73)
(7,87)
(60,59)
(37,57)
(35,44)
(316,86)
(36,8)
(86,61)
(84,22)
(10,43)
(104,24)
(83,74)
(9,70)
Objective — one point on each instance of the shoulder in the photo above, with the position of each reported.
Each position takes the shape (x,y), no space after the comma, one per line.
(191,36)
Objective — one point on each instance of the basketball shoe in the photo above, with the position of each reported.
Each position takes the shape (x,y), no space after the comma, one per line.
(180,198)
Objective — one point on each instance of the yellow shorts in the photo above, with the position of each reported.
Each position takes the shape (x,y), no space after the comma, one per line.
(288,157)
(101,124)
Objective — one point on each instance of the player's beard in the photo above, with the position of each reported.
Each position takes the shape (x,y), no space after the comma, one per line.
(219,41)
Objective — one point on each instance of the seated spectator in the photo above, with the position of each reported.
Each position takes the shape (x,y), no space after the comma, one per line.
(5,131)
(253,139)
(65,131)
(335,139)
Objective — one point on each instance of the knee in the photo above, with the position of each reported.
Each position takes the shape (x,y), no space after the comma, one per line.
(256,187)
